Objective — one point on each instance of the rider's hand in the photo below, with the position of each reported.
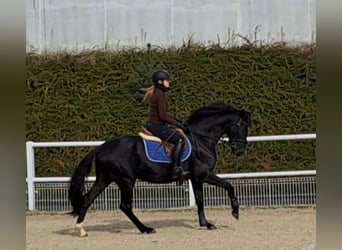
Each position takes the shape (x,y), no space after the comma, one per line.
(184,126)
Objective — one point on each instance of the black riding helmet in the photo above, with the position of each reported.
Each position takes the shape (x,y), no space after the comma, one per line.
(160,75)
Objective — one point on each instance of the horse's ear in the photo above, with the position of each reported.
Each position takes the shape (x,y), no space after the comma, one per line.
(246,117)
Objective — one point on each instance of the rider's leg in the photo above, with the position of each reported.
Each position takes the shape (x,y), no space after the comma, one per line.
(166,133)
(177,171)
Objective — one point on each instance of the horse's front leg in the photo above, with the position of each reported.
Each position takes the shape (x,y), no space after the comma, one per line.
(217,181)
(198,192)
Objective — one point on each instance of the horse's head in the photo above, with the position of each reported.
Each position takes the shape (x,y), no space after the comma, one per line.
(216,119)
(237,131)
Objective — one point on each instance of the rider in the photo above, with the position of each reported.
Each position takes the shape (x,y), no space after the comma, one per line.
(159,118)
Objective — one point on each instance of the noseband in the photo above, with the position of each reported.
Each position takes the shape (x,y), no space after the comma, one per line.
(234,141)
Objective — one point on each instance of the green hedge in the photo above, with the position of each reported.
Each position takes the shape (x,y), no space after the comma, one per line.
(96,95)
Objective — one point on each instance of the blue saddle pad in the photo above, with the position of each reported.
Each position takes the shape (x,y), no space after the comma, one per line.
(156,153)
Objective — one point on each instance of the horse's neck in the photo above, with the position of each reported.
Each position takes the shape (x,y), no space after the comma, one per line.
(209,136)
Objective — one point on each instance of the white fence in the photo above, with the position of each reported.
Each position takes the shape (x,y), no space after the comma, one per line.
(253,189)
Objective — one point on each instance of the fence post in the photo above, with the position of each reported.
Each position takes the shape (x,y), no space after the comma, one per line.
(191,195)
(30,174)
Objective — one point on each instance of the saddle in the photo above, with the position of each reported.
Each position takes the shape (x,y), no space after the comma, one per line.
(160,151)
(168,146)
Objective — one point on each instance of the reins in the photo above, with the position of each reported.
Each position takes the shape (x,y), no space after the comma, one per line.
(195,142)
(208,137)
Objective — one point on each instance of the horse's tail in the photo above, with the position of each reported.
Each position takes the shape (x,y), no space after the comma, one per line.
(76,187)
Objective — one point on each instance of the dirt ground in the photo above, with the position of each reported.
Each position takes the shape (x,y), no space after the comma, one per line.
(257,228)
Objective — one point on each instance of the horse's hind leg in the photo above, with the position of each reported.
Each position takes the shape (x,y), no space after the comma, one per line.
(126,189)
(96,189)
(217,181)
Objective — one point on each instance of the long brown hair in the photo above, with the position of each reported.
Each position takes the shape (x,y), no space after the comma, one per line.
(148,93)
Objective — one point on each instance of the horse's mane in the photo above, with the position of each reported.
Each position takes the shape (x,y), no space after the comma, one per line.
(209,110)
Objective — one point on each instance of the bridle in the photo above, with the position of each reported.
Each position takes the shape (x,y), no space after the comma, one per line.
(234,141)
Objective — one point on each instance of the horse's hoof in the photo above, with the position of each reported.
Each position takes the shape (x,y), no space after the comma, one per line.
(211,226)
(80,231)
(150,231)
(84,235)
(235,214)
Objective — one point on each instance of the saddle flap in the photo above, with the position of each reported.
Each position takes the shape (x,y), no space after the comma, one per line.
(160,151)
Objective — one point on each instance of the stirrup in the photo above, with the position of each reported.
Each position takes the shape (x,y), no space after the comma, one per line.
(178,173)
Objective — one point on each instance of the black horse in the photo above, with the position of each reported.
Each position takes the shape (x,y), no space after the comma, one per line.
(122,160)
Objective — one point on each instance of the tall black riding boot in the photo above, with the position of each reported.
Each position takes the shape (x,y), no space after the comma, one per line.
(177,171)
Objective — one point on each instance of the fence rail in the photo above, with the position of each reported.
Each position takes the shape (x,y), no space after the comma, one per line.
(283,188)
(257,192)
